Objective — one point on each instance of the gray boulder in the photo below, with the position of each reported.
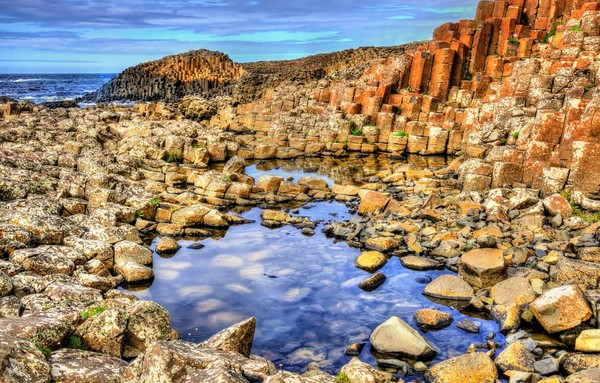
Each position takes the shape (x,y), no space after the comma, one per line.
(395,336)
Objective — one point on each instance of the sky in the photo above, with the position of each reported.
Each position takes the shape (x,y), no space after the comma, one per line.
(107,36)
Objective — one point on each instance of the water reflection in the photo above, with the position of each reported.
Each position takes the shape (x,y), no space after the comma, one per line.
(303,291)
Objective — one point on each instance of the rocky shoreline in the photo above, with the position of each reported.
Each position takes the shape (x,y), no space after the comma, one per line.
(512,95)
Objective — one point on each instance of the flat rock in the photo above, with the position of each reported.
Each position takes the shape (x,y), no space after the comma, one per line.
(482,267)
(585,274)
(469,326)
(414,262)
(370,261)
(190,216)
(432,319)
(39,329)
(237,338)
(578,362)
(127,251)
(383,244)
(167,245)
(588,341)
(449,287)
(395,336)
(515,357)
(475,367)
(133,272)
(515,290)
(372,202)
(561,308)
(75,366)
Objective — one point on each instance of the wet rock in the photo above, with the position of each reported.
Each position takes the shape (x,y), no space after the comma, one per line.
(588,341)
(148,322)
(515,357)
(561,308)
(21,361)
(449,287)
(591,375)
(372,202)
(105,332)
(167,245)
(373,282)
(507,316)
(215,219)
(370,261)
(74,366)
(42,330)
(420,263)
(361,372)
(469,326)
(579,362)
(482,267)
(130,252)
(237,338)
(166,360)
(476,367)
(395,336)
(432,319)
(355,349)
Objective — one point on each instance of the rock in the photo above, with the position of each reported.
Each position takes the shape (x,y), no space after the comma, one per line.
(372,202)
(482,267)
(475,367)
(13,237)
(166,361)
(73,294)
(269,184)
(469,326)
(237,338)
(547,366)
(432,319)
(420,263)
(370,261)
(313,183)
(130,252)
(167,245)
(588,341)
(355,349)
(133,272)
(92,249)
(190,216)
(235,165)
(360,372)
(449,287)
(591,375)
(561,308)
(215,219)
(105,332)
(75,366)
(578,362)
(507,316)
(515,357)
(585,274)
(558,205)
(275,215)
(515,290)
(21,361)
(383,244)
(6,285)
(41,330)
(148,322)
(395,336)
(10,307)
(46,260)
(373,282)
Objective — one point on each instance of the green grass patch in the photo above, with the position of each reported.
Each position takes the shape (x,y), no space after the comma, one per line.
(342,378)
(92,312)
(76,343)
(588,217)
(357,132)
(549,36)
(575,28)
(155,201)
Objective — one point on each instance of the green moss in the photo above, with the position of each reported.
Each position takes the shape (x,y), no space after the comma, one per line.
(357,132)
(92,312)
(513,40)
(588,217)
(516,135)
(43,349)
(401,133)
(342,378)
(76,343)
(548,36)
(576,28)
(468,77)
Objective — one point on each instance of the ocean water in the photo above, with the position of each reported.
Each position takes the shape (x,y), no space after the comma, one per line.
(51,87)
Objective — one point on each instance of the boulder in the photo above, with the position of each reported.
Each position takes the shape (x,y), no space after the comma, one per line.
(395,336)
(515,290)
(371,261)
(432,319)
(127,251)
(360,372)
(105,332)
(482,267)
(237,338)
(13,237)
(475,367)
(557,204)
(6,285)
(133,272)
(22,362)
(561,308)
(75,366)
(384,244)
(235,165)
(449,287)
(190,216)
(591,375)
(47,260)
(313,183)
(578,362)
(585,274)
(41,330)
(167,245)
(148,322)
(515,357)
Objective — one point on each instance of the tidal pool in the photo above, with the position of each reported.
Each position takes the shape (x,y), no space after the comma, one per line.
(302,290)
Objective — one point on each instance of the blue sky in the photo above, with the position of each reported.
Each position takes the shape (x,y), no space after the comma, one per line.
(107,36)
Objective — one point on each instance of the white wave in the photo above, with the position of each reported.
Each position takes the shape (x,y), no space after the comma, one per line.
(26,80)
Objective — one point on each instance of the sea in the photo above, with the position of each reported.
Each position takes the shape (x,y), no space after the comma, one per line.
(40,88)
